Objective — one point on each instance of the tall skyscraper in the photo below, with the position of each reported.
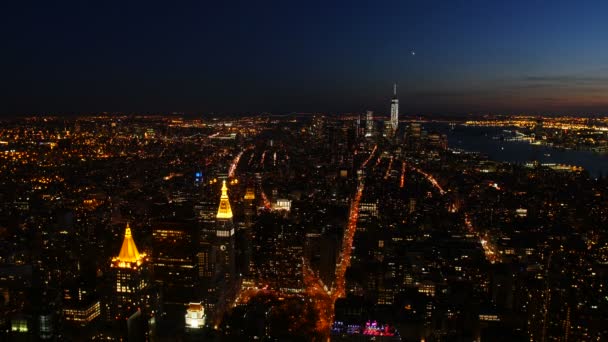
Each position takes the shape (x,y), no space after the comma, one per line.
(173,248)
(224,238)
(131,289)
(249,204)
(369,124)
(244,239)
(216,260)
(395,109)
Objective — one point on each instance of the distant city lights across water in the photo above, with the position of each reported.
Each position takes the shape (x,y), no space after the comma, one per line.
(480,139)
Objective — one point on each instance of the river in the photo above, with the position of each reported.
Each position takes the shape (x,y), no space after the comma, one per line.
(484,140)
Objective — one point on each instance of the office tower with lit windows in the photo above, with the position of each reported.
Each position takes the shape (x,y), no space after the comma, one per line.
(394,110)
(83,314)
(245,237)
(173,260)
(414,135)
(131,291)
(216,256)
(249,204)
(81,308)
(224,240)
(369,124)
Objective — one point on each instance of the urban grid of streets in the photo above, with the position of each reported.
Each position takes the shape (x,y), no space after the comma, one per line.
(416,215)
(324,299)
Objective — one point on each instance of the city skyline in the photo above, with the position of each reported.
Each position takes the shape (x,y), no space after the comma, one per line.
(304,171)
(303,228)
(448,58)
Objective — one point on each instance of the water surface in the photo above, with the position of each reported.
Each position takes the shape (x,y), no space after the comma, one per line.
(484,140)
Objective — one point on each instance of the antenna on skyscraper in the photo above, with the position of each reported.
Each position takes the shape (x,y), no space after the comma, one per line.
(395,89)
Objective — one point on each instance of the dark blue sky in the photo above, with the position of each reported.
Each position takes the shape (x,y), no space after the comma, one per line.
(283,56)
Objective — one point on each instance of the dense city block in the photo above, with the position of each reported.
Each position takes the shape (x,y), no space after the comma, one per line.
(298,227)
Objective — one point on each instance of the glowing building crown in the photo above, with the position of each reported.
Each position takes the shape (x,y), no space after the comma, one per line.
(195,316)
(224,211)
(249,194)
(128,252)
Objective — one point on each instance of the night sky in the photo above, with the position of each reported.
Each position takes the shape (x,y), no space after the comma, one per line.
(61,57)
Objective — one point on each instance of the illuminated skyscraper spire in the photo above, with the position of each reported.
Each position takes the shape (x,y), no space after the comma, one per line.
(249,194)
(130,279)
(128,252)
(224,211)
(394,109)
